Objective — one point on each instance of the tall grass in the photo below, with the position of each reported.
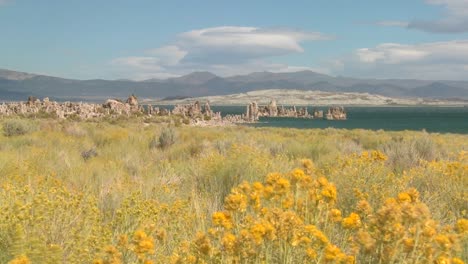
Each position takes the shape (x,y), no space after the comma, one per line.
(133,203)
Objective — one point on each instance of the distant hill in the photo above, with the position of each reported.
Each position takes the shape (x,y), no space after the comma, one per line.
(314,98)
(18,86)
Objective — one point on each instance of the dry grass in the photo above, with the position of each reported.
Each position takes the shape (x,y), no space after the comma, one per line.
(131,203)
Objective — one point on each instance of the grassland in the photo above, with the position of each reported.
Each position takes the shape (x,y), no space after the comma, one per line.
(134,192)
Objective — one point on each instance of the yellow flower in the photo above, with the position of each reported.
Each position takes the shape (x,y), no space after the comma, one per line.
(429,229)
(212,232)
(20,260)
(457,261)
(443,241)
(146,245)
(222,219)
(404,197)
(161,235)
(258,231)
(353,221)
(236,202)
(462,226)
(175,259)
(322,181)
(143,243)
(335,215)
(332,252)
(364,208)
(311,253)
(350,260)
(282,185)
(288,202)
(229,242)
(191,259)
(139,235)
(317,234)
(443,260)
(378,156)
(297,175)
(408,244)
(203,243)
(308,164)
(413,193)
(329,191)
(123,241)
(268,192)
(258,186)
(366,240)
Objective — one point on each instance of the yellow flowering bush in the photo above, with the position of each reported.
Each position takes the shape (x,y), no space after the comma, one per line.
(279,220)
(402,230)
(206,199)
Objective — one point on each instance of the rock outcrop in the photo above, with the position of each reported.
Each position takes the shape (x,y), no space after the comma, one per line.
(336,113)
(253,111)
(192,113)
(195,113)
(318,113)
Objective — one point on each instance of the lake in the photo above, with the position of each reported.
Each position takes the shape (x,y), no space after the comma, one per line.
(432,119)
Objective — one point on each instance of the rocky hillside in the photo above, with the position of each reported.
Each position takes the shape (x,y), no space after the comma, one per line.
(18,86)
(298,97)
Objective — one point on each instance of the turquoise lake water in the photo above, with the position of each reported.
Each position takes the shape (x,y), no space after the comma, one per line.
(432,119)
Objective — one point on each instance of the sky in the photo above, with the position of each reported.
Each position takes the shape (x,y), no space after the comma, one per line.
(144,39)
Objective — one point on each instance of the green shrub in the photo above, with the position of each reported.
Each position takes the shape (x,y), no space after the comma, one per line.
(404,153)
(167,138)
(17,127)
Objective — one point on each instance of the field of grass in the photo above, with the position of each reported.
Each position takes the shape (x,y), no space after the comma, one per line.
(136,192)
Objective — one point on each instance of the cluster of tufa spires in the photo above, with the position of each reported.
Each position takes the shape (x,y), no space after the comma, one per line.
(193,112)
(254,112)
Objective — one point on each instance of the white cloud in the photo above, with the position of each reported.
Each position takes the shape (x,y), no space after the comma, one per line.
(168,55)
(434,60)
(391,53)
(245,41)
(454,20)
(224,50)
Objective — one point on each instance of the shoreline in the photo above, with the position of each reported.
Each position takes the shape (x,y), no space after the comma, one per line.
(327,105)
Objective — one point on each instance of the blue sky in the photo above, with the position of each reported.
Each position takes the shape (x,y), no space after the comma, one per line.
(142,39)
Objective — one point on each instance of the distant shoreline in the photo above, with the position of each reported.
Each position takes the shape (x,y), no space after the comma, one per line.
(455,104)
(313,98)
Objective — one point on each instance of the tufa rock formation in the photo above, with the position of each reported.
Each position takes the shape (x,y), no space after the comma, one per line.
(254,112)
(193,113)
(336,113)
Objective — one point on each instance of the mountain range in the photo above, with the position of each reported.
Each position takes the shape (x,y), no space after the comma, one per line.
(18,86)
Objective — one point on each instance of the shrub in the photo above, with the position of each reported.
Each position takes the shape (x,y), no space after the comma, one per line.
(75,130)
(406,153)
(17,127)
(167,138)
(90,153)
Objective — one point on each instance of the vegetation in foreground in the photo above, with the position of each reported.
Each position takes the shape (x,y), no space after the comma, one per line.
(135,192)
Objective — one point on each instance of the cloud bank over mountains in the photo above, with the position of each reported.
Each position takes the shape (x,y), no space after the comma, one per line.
(446,60)
(226,50)
(231,50)
(428,40)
